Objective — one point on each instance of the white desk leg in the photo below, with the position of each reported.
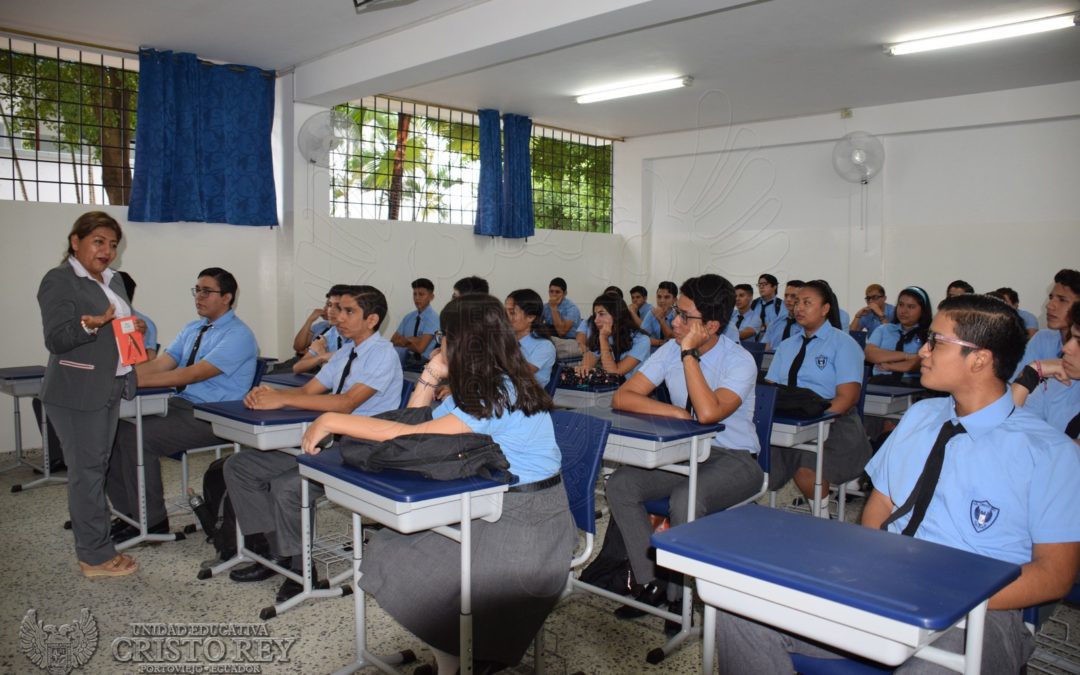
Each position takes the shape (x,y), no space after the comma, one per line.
(465,626)
(140,469)
(816,506)
(358,600)
(973,647)
(46,466)
(708,640)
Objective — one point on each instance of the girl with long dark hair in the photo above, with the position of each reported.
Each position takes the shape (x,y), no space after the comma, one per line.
(614,343)
(893,347)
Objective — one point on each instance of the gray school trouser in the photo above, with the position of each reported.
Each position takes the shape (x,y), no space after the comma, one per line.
(726,478)
(87,440)
(745,647)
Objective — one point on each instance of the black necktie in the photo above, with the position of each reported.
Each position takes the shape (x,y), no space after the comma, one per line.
(340,341)
(793,373)
(416,326)
(345,371)
(1073,428)
(194,352)
(787,328)
(738,321)
(905,338)
(919,499)
(324,331)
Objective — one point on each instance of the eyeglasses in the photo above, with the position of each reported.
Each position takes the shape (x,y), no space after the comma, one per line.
(933,338)
(203,292)
(684,316)
(872,298)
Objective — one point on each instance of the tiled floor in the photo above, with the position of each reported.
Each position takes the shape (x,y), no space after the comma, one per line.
(40,573)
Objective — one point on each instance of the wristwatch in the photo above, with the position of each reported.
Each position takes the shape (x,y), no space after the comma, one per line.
(690,352)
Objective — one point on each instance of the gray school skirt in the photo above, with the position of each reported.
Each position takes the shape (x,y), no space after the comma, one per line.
(519,568)
(846,453)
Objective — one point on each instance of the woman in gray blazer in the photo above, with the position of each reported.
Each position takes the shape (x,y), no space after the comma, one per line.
(85,380)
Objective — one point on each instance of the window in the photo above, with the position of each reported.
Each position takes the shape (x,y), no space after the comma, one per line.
(412,161)
(67,124)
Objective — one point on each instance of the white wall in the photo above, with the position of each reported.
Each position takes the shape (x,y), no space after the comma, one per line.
(978,187)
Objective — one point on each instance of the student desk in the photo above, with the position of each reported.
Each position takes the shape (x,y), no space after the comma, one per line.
(407,503)
(585,396)
(890,401)
(876,594)
(147,401)
(809,435)
(287,380)
(766,360)
(653,442)
(25,382)
(269,430)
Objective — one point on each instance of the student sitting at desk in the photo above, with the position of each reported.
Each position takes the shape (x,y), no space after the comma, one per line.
(1012,298)
(212,359)
(1047,343)
(1049,389)
(265,486)
(785,327)
(415,337)
(658,322)
(563,316)
(318,322)
(639,304)
(614,344)
(828,361)
(520,562)
(876,312)
(746,320)
(893,348)
(1005,488)
(710,379)
(523,309)
(327,338)
(768,305)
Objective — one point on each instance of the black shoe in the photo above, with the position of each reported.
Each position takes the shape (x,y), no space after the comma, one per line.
(651,594)
(117,526)
(55,466)
(289,588)
(128,531)
(672,628)
(256,571)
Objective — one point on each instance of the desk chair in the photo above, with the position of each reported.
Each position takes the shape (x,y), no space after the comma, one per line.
(1050,651)
(407,387)
(553,381)
(756,349)
(859,336)
(581,439)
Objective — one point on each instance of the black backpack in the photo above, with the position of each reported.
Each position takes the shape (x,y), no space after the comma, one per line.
(217,517)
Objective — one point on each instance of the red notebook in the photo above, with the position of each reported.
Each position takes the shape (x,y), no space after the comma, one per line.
(129,341)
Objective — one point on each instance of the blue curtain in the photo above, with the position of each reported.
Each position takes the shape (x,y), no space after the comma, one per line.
(202,142)
(489,206)
(517,220)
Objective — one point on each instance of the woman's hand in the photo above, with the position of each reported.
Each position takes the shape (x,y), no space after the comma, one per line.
(314,435)
(605,332)
(95,322)
(436,365)
(140,326)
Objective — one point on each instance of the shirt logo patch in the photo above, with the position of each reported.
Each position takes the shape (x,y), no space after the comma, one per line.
(983,514)
(821,362)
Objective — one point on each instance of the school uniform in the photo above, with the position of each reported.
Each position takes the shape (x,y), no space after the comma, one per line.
(415,324)
(869,322)
(644,310)
(568,311)
(640,349)
(540,353)
(780,330)
(1046,344)
(1007,482)
(730,475)
(742,321)
(1030,320)
(768,311)
(330,333)
(1058,404)
(890,336)
(651,325)
(229,345)
(519,562)
(265,486)
(832,358)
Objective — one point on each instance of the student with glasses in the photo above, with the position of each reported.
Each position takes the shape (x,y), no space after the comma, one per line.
(362,379)
(875,313)
(1049,389)
(970,471)
(768,305)
(614,344)
(710,379)
(828,361)
(893,348)
(212,359)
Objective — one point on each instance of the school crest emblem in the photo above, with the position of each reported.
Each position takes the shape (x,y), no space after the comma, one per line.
(58,649)
(821,362)
(983,514)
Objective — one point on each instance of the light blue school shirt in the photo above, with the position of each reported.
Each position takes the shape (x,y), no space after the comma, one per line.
(540,353)
(651,325)
(150,336)
(885,336)
(845,319)
(1030,320)
(640,349)
(429,323)
(527,442)
(568,311)
(1055,403)
(832,358)
(1008,483)
(583,328)
(870,322)
(644,310)
(774,334)
(725,366)
(775,309)
(333,338)
(731,332)
(749,320)
(376,365)
(229,345)
(1046,344)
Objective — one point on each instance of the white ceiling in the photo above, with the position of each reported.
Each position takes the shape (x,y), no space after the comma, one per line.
(768,59)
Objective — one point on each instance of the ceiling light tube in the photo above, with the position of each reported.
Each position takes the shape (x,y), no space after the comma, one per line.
(982,35)
(635,89)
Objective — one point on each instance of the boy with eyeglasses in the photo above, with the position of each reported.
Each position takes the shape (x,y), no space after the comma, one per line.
(969,471)
(876,311)
(212,359)
(768,305)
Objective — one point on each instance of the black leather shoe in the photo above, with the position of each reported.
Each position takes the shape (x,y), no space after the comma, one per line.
(117,526)
(256,572)
(671,628)
(126,531)
(651,594)
(290,588)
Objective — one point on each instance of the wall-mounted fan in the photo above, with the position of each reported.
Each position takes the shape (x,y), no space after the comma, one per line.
(858,157)
(323,133)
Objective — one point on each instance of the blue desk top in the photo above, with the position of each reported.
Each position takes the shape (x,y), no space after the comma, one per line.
(288,379)
(651,427)
(891,390)
(902,578)
(398,486)
(796,422)
(235,410)
(22,373)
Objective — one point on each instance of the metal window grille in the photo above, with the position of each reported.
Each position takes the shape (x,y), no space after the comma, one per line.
(415,161)
(67,124)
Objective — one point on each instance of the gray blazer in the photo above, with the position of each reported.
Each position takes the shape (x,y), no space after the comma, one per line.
(81,366)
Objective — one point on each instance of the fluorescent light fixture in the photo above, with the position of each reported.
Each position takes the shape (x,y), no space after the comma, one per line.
(635,88)
(971,37)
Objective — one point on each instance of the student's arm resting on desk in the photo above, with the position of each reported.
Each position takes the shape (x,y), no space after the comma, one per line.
(633,396)
(162,372)
(879,356)
(312,396)
(315,355)
(588,362)
(373,429)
